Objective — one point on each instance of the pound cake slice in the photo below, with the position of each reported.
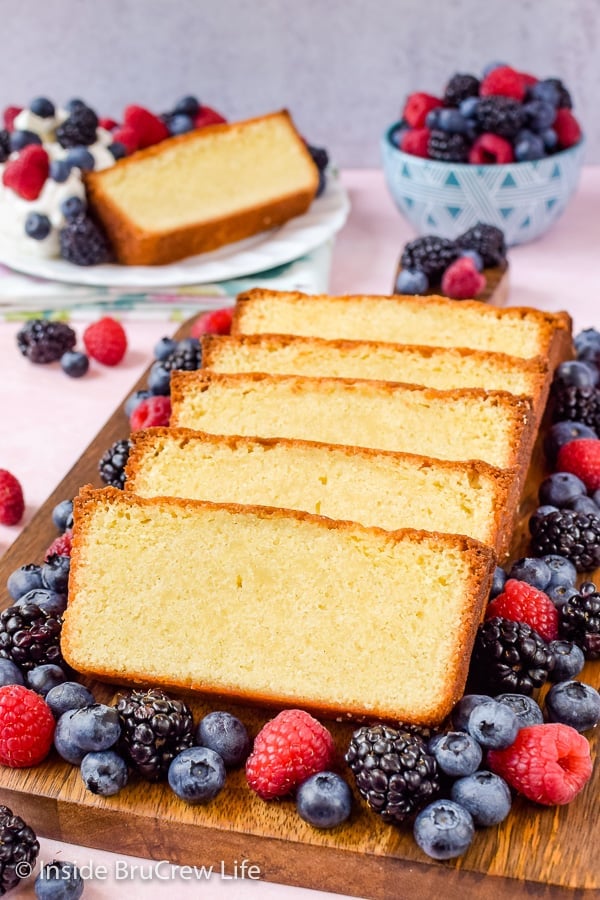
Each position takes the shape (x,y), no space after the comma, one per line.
(493,426)
(372,487)
(204,189)
(434,321)
(291,609)
(444,368)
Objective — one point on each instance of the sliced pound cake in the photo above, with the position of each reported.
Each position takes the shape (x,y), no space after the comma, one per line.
(434,321)
(372,487)
(273,606)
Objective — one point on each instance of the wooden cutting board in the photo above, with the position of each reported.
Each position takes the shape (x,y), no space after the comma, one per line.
(537,852)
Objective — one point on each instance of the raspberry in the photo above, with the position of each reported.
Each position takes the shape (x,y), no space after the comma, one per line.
(416,108)
(207,116)
(548,764)
(9,115)
(520,602)
(60,546)
(461,279)
(567,128)
(12,504)
(27,174)
(26,727)
(490,149)
(416,142)
(127,136)
(504,81)
(287,750)
(105,341)
(216,321)
(155,410)
(581,458)
(148,128)
(107,123)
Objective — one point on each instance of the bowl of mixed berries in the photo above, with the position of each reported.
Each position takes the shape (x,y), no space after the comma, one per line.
(504,148)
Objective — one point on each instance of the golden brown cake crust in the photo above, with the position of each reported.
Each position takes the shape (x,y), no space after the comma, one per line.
(481,562)
(136,247)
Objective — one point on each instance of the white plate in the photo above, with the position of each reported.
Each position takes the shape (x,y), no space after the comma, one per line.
(326,215)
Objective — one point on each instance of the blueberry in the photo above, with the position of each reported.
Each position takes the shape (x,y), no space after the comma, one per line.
(62,515)
(180,124)
(74,363)
(42,679)
(528,146)
(59,880)
(533,570)
(584,505)
(187,106)
(69,695)
(463,709)
(573,703)
(134,400)
(539,513)
(65,741)
(104,772)
(475,257)
(498,582)
(159,379)
(443,830)
(560,593)
(324,800)
(545,90)
(569,660)
(452,121)
(72,207)
(398,133)
(577,373)
(197,774)
(95,727)
(55,573)
(560,488)
(82,158)
(42,107)
(468,107)
(493,724)
(563,433)
(525,708)
(37,226)
(226,735)
(596,497)
(540,114)
(118,150)
(562,570)
(59,170)
(10,673)
(456,753)
(50,601)
(485,795)
(588,339)
(550,139)
(411,281)
(26,578)
(20,139)
(164,348)
(432,118)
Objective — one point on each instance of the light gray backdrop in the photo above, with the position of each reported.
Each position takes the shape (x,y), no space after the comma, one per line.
(343,67)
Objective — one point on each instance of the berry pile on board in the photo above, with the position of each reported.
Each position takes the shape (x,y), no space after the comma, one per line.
(502,116)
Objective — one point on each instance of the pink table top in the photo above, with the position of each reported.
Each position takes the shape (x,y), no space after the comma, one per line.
(49,419)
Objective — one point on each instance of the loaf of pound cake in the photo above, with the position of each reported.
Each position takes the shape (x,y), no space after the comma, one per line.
(201,190)
(273,606)
(372,487)
(433,321)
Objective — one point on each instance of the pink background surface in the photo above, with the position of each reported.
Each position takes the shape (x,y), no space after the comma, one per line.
(49,419)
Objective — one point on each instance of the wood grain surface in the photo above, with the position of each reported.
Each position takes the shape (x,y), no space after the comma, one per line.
(536,852)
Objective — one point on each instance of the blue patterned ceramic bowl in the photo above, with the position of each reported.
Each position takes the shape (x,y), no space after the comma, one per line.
(523,199)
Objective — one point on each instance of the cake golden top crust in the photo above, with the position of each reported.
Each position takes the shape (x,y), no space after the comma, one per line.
(273,606)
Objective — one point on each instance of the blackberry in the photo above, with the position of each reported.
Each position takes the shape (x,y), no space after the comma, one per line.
(4,145)
(320,157)
(393,771)
(500,115)
(18,844)
(42,341)
(575,404)
(30,636)
(154,729)
(448,147)
(429,254)
(571,534)
(509,657)
(112,463)
(459,88)
(79,129)
(188,358)
(580,620)
(487,240)
(83,242)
